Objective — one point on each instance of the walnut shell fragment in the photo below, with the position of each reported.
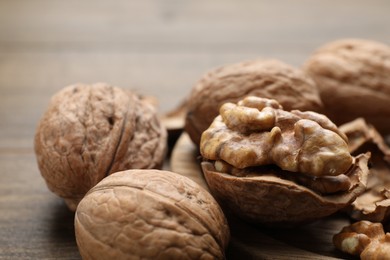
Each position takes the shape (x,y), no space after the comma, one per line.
(150,214)
(272,166)
(264,78)
(353,76)
(91,131)
(374,203)
(365,239)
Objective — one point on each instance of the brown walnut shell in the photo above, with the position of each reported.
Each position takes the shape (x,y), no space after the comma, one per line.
(374,203)
(270,200)
(150,214)
(91,131)
(353,76)
(263,78)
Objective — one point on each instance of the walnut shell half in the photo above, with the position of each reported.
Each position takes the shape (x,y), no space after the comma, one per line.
(150,214)
(91,131)
(263,78)
(269,199)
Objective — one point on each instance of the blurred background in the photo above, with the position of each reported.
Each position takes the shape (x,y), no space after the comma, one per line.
(157,48)
(162,47)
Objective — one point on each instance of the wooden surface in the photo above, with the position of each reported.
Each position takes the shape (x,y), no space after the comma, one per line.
(155,47)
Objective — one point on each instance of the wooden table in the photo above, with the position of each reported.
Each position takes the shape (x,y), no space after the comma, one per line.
(157,48)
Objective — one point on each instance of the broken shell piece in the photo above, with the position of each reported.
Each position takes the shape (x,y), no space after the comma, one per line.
(360,133)
(365,239)
(374,203)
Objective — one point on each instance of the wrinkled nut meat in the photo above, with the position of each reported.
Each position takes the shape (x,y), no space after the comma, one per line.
(150,214)
(374,203)
(264,78)
(365,239)
(256,155)
(91,131)
(353,76)
(263,133)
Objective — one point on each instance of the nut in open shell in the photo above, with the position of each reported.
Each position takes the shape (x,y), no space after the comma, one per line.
(272,166)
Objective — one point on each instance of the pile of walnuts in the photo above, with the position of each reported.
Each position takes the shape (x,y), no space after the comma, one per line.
(101,148)
(279,145)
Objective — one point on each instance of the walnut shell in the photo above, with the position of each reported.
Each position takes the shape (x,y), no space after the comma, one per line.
(150,214)
(230,83)
(374,203)
(353,76)
(91,131)
(265,198)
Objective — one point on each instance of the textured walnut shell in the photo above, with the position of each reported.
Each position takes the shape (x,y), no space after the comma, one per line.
(263,78)
(353,77)
(271,200)
(150,214)
(91,131)
(374,203)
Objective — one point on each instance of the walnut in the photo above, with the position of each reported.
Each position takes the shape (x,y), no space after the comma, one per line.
(256,154)
(353,76)
(91,131)
(230,83)
(150,214)
(374,203)
(365,239)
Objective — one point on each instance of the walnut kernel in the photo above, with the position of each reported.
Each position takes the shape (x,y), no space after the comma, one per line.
(365,239)
(266,134)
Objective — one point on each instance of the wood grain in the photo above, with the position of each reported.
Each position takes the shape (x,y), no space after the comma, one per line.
(155,47)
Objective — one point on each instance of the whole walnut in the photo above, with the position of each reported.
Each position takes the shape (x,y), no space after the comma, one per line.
(91,131)
(353,76)
(150,214)
(277,167)
(230,83)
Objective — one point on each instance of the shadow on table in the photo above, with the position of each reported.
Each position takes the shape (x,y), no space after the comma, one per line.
(61,231)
